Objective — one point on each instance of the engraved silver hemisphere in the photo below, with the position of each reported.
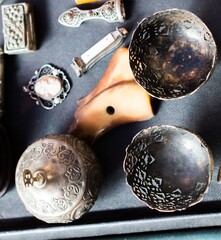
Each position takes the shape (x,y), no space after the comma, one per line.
(58,178)
(172,54)
(169,168)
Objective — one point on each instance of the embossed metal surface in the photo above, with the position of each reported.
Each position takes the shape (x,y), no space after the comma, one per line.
(111,11)
(18,28)
(58,178)
(168,168)
(172,53)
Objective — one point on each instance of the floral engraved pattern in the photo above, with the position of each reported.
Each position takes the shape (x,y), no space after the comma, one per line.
(79,183)
(108,11)
(71,17)
(50,149)
(35,153)
(82,209)
(43,207)
(60,204)
(73,173)
(32,155)
(66,156)
(71,191)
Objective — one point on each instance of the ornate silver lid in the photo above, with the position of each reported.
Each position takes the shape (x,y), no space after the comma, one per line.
(58,178)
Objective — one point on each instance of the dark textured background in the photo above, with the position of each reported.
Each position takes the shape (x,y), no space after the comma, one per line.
(116,210)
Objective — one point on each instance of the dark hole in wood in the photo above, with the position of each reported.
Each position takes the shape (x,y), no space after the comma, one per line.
(110,110)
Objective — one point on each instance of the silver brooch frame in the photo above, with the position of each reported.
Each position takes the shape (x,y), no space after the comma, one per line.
(46,71)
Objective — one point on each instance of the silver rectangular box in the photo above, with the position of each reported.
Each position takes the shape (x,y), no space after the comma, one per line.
(18,28)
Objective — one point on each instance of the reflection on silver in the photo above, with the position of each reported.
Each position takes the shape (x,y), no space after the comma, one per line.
(111,11)
(58,178)
(102,48)
(18,28)
(49,87)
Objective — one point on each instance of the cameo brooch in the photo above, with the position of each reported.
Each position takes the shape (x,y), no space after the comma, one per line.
(49,87)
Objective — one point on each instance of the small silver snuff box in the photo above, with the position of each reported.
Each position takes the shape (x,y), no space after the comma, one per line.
(18,28)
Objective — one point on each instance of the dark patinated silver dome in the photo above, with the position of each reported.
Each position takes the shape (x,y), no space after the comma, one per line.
(168,168)
(172,53)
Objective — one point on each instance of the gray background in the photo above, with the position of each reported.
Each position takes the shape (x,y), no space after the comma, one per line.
(116,210)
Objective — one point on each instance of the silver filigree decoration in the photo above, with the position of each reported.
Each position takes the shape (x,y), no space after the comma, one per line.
(162,170)
(48,72)
(111,11)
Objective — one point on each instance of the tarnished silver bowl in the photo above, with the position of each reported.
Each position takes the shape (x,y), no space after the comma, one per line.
(172,53)
(169,168)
